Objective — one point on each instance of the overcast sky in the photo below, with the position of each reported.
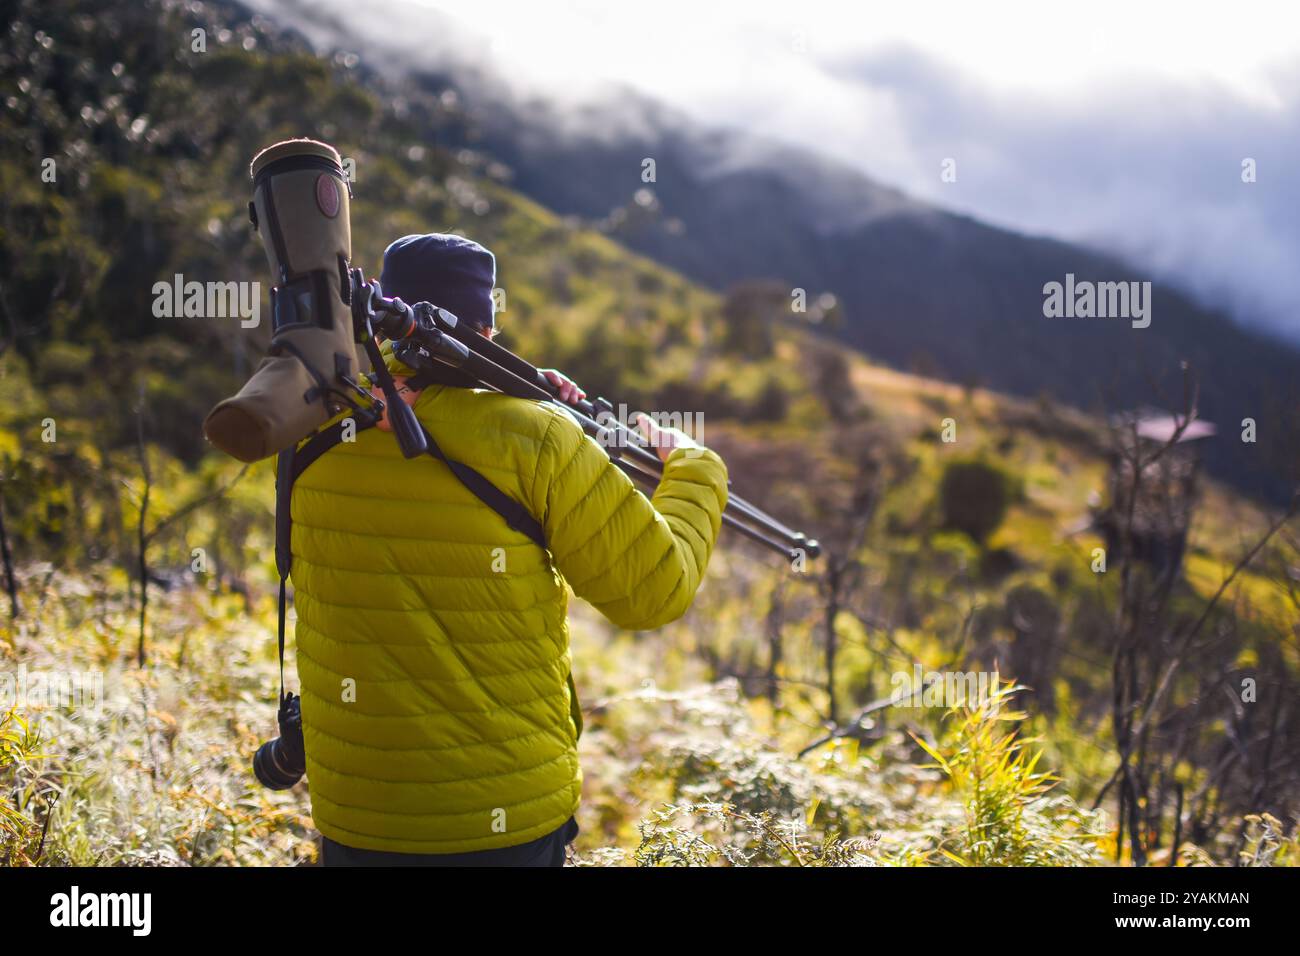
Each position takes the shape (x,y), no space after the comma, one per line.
(1122,124)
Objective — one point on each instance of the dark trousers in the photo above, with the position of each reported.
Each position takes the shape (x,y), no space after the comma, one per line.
(544,851)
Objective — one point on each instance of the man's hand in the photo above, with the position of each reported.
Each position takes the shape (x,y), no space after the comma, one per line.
(664,440)
(569,391)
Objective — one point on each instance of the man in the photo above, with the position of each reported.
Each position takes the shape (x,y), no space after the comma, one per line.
(439,714)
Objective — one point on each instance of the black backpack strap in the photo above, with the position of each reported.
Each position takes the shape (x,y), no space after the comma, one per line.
(327,438)
(289,465)
(283,554)
(293,462)
(515,514)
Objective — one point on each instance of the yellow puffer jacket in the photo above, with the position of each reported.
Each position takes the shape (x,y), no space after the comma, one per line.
(433,650)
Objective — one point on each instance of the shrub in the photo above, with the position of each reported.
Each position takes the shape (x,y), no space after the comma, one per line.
(974,496)
(1011,816)
(22,840)
(1267,843)
(734,837)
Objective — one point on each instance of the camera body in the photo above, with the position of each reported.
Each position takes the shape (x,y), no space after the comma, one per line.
(280,763)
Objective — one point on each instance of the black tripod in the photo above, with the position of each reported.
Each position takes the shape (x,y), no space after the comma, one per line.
(423,334)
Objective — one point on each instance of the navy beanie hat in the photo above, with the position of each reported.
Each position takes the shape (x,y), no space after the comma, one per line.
(452,272)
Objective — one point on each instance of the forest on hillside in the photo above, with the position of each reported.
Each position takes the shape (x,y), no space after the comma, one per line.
(1133,625)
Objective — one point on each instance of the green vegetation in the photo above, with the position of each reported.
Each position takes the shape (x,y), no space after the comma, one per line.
(974,497)
(702,742)
(1011,817)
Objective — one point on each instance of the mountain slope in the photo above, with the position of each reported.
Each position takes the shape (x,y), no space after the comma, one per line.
(916,286)
(153,149)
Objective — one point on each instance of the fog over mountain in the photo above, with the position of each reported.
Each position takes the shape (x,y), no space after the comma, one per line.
(1122,129)
(917,285)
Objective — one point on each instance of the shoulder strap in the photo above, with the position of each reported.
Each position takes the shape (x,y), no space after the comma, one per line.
(293,462)
(327,438)
(283,555)
(289,465)
(515,514)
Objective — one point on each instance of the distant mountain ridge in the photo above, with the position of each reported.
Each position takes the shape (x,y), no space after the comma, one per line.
(917,286)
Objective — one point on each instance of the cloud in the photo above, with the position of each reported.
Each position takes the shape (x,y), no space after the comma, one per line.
(1119,125)
(1153,171)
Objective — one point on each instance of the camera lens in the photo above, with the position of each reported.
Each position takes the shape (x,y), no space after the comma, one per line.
(280,763)
(269,766)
